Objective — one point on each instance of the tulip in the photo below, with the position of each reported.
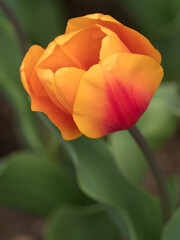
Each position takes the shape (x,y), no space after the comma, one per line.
(97,78)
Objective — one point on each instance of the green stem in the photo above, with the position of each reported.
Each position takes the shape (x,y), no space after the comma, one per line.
(158,175)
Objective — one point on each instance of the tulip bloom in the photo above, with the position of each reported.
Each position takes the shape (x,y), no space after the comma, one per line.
(97,78)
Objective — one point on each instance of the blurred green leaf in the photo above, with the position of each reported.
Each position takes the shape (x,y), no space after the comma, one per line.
(35,183)
(169,94)
(88,223)
(173,186)
(10,57)
(41,20)
(123,223)
(170,48)
(99,178)
(55,131)
(157,124)
(11,87)
(172,229)
(154,17)
(129,158)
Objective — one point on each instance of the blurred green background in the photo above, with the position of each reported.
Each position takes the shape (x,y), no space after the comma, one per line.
(37,175)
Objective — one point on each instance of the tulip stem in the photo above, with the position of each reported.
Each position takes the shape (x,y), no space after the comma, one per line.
(156,171)
(12,18)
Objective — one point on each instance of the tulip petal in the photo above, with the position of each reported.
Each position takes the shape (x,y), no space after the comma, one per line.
(66,83)
(85,46)
(29,62)
(53,58)
(51,52)
(80,50)
(51,106)
(47,79)
(62,121)
(57,59)
(77,23)
(111,44)
(135,42)
(113,94)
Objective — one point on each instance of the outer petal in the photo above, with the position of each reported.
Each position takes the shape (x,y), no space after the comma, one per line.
(47,79)
(42,99)
(135,42)
(66,84)
(51,106)
(114,94)
(52,58)
(65,123)
(29,62)
(77,23)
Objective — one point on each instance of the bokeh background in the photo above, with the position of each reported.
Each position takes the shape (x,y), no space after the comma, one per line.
(32,162)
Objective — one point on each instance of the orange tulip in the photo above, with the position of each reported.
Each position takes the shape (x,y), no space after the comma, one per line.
(97,78)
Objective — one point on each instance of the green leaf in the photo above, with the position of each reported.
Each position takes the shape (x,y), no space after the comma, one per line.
(173,186)
(169,48)
(123,223)
(128,156)
(35,183)
(160,17)
(172,229)
(11,87)
(99,178)
(41,20)
(10,57)
(70,223)
(55,132)
(157,124)
(159,121)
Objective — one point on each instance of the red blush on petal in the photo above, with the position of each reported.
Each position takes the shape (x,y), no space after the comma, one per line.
(123,108)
